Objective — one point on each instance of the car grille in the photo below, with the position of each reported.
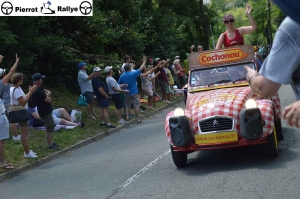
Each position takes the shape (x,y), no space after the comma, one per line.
(216,124)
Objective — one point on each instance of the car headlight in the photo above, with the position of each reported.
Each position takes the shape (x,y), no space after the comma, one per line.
(251,103)
(178,112)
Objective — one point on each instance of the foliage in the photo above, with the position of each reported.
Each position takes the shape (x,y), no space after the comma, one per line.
(156,28)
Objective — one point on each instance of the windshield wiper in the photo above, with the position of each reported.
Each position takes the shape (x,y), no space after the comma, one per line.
(244,78)
(221,81)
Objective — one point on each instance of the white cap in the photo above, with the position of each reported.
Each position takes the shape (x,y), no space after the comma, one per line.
(107,69)
(97,69)
(2,71)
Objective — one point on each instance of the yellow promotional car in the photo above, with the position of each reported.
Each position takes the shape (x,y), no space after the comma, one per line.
(221,110)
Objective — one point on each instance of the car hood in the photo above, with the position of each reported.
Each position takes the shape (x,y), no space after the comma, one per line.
(226,101)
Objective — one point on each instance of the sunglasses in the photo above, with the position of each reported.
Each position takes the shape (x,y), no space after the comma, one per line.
(231,20)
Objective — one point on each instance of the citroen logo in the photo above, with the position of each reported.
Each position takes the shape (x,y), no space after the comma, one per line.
(215,123)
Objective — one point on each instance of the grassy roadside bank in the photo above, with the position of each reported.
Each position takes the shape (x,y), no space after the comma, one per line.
(61,98)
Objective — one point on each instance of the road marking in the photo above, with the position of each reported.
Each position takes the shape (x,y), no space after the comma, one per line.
(143,170)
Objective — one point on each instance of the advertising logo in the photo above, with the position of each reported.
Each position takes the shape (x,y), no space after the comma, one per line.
(227,55)
(45,9)
(6,8)
(86,8)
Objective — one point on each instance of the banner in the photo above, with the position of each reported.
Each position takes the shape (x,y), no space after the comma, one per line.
(47,8)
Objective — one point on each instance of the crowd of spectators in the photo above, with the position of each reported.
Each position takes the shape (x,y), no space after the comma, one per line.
(126,85)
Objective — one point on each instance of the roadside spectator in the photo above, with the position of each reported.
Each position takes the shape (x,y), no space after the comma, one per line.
(4,134)
(42,98)
(180,73)
(129,77)
(258,60)
(186,66)
(127,60)
(115,92)
(86,88)
(5,93)
(199,48)
(18,97)
(138,79)
(60,116)
(4,79)
(150,66)
(147,86)
(132,64)
(162,79)
(174,74)
(234,36)
(262,52)
(101,92)
(170,82)
(271,75)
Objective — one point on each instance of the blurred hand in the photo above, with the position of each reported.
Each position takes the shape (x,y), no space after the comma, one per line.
(1,58)
(123,85)
(248,9)
(32,89)
(250,72)
(144,59)
(291,114)
(17,58)
(48,93)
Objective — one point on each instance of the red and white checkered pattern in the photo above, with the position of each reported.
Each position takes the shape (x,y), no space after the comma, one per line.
(226,102)
(277,106)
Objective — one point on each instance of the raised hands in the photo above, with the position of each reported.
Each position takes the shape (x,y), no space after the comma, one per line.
(248,9)
(1,58)
(17,58)
(32,89)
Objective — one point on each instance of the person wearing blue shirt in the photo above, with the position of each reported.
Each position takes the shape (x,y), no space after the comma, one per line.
(129,77)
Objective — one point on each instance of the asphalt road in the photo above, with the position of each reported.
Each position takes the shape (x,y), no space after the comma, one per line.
(136,163)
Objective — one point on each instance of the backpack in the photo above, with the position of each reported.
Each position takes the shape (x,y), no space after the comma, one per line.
(31,102)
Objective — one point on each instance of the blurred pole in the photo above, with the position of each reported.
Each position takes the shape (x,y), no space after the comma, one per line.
(212,36)
(217,27)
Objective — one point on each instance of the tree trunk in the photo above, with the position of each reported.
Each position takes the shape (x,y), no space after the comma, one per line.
(205,25)
(269,24)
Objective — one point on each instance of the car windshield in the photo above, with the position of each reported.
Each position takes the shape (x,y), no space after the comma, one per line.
(216,75)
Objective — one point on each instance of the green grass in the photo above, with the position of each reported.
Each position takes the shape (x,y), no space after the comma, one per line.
(37,141)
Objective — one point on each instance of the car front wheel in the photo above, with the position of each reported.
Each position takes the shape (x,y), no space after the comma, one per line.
(179,158)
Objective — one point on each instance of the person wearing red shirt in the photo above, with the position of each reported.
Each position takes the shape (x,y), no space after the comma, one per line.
(234,36)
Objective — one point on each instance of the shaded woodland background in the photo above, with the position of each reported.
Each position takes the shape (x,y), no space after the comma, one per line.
(54,46)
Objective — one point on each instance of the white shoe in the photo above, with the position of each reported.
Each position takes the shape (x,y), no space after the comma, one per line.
(166,101)
(121,121)
(31,151)
(30,155)
(18,138)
